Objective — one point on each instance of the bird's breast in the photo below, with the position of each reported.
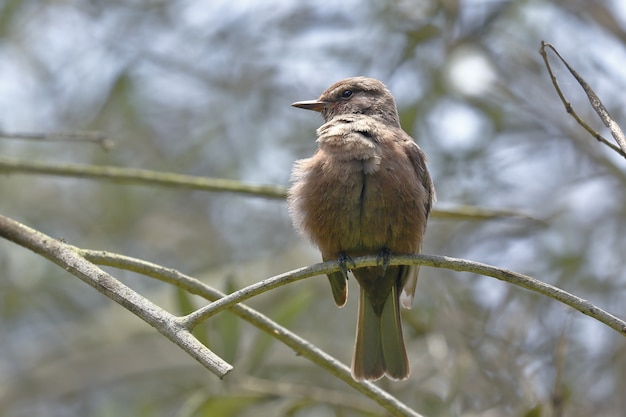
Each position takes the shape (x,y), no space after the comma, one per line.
(359,207)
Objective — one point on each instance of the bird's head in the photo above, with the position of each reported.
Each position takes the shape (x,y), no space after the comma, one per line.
(356,95)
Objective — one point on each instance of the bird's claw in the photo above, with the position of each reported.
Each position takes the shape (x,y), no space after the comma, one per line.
(344,260)
(383,259)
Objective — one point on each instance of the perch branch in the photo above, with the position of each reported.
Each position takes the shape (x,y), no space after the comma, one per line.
(455,264)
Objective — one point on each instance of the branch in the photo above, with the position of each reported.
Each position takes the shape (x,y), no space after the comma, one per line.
(446,262)
(169,179)
(66,257)
(595,102)
(140,176)
(301,346)
(465,212)
(98,138)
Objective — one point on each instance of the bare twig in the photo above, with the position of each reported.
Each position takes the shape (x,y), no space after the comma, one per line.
(140,176)
(455,264)
(98,138)
(466,212)
(597,105)
(66,257)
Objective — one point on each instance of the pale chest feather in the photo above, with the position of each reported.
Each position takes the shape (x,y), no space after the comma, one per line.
(359,192)
(357,204)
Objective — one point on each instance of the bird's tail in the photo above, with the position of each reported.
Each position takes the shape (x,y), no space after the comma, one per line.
(379,347)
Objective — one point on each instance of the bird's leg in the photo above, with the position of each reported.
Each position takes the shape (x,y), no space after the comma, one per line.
(344,259)
(383,259)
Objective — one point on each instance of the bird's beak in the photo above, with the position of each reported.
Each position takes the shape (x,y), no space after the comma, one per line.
(314,105)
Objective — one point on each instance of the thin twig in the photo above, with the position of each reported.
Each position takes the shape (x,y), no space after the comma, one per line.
(192,320)
(455,264)
(466,212)
(66,257)
(98,138)
(169,179)
(140,176)
(597,105)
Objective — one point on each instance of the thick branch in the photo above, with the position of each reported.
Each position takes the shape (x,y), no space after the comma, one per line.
(66,257)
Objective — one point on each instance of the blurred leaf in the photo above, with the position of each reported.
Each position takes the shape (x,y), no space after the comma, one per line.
(9,10)
(227,327)
(185,305)
(536,411)
(225,406)
(285,313)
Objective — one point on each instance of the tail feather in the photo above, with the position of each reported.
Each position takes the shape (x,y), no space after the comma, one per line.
(367,361)
(410,282)
(338,285)
(379,347)
(392,340)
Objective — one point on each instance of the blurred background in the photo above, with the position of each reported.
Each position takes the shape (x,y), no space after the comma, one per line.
(204,88)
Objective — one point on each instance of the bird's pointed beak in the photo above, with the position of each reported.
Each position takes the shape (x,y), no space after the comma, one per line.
(314,105)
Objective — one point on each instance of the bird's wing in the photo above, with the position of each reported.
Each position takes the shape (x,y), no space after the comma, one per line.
(418,160)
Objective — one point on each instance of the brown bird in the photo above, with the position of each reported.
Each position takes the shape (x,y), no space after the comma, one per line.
(365,191)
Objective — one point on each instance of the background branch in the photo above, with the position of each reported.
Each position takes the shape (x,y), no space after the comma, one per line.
(169,179)
(98,138)
(140,176)
(595,102)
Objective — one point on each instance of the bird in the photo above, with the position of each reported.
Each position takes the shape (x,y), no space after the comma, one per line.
(365,191)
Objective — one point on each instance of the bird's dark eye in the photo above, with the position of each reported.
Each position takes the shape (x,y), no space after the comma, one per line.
(346,94)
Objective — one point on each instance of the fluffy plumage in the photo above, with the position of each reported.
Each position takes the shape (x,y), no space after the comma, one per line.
(365,191)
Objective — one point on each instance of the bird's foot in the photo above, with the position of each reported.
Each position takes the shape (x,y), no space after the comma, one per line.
(383,259)
(344,260)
